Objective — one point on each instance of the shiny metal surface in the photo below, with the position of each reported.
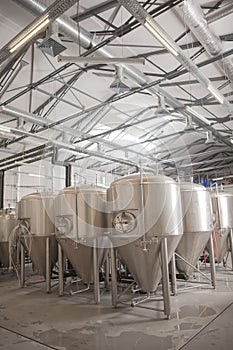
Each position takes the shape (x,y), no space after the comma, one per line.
(37,210)
(80,212)
(197,225)
(154,201)
(8,222)
(80,218)
(222,203)
(81,257)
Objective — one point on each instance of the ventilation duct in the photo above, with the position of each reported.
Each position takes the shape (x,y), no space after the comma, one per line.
(118,85)
(36,27)
(77,34)
(194,18)
(155,29)
(52,44)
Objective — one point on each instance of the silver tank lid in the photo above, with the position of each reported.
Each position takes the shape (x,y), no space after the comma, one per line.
(147,179)
(83,189)
(189,186)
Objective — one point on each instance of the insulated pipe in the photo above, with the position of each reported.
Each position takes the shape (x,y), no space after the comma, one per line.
(194,18)
(66,25)
(70,28)
(35,28)
(157,31)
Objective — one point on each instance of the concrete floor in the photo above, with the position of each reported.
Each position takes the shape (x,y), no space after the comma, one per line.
(31,319)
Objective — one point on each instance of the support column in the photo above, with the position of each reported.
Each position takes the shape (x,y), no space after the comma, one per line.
(60,270)
(2,178)
(48,265)
(107,272)
(173,274)
(113,276)
(212,261)
(165,278)
(22,265)
(231,246)
(96,273)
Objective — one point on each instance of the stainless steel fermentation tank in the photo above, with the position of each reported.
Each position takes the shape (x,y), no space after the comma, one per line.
(222,203)
(80,223)
(36,214)
(8,242)
(147,227)
(197,226)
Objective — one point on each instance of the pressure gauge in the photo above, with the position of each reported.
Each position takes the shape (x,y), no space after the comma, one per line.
(124,222)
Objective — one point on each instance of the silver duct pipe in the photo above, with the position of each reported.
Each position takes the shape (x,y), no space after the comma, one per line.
(194,18)
(78,34)
(66,25)
(157,31)
(35,28)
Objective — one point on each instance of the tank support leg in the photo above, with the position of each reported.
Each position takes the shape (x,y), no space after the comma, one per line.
(96,273)
(173,275)
(231,246)
(165,278)
(212,261)
(60,270)
(48,266)
(22,265)
(113,276)
(107,271)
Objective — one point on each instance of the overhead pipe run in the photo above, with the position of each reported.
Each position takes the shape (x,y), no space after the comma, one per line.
(193,16)
(157,31)
(29,117)
(39,25)
(82,37)
(73,148)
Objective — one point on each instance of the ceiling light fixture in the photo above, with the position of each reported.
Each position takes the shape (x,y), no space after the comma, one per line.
(157,32)
(100,60)
(5,129)
(198,116)
(35,29)
(216,94)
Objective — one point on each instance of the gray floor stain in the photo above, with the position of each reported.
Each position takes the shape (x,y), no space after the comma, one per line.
(77,339)
(198,311)
(187,326)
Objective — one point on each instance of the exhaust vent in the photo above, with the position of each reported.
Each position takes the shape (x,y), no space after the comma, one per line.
(52,45)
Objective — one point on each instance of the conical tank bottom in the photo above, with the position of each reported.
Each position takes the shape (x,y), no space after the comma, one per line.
(190,248)
(145,266)
(36,248)
(222,244)
(81,257)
